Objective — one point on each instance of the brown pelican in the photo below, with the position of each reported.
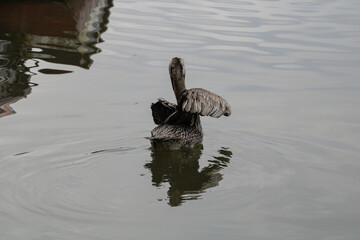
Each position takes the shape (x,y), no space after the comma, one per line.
(179,124)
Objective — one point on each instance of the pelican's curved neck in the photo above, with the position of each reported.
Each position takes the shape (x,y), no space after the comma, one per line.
(177,75)
(178,85)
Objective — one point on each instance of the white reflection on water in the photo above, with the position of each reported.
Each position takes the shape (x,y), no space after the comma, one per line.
(272,33)
(72,158)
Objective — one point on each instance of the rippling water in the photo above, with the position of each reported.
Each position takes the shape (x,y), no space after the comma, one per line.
(76,82)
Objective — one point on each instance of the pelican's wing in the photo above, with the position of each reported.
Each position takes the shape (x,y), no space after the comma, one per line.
(164,112)
(161,110)
(203,102)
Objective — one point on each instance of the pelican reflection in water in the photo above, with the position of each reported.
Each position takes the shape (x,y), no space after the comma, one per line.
(180,168)
(179,124)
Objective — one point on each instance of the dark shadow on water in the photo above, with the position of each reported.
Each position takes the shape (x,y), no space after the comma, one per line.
(180,168)
(59,32)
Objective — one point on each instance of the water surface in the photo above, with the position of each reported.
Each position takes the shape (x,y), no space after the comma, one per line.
(75,101)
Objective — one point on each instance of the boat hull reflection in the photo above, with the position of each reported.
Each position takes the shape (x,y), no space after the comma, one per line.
(60,32)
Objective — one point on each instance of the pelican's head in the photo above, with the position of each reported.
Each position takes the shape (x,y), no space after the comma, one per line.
(177,68)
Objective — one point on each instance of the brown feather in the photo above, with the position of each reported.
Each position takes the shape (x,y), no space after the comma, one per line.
(201,101)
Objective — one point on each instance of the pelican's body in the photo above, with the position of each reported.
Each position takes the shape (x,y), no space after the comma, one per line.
(179,124)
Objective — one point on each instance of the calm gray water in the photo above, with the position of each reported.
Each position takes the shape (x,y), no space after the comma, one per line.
(75,99)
